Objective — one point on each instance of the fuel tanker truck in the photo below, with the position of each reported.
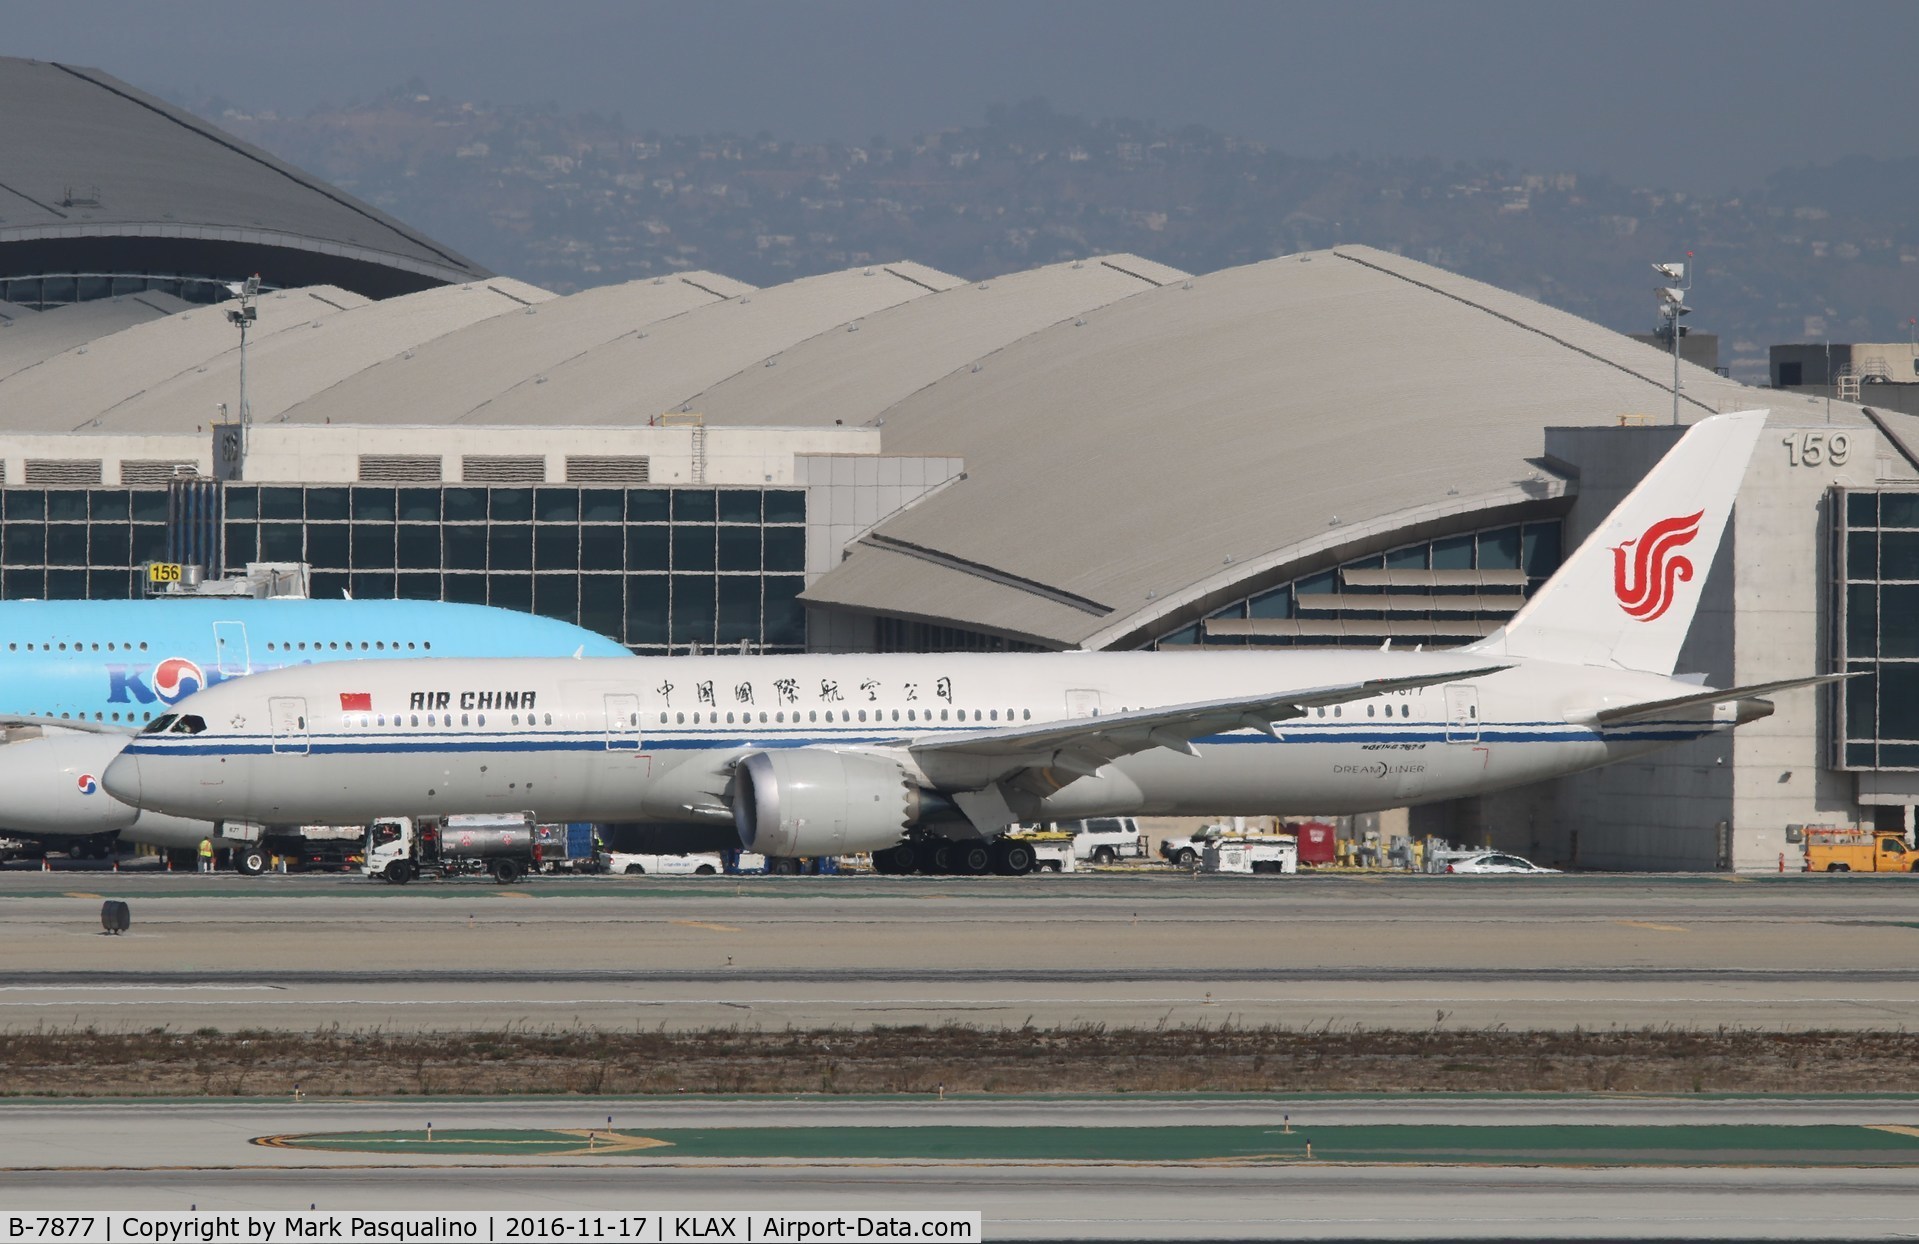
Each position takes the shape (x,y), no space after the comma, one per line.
(400,848)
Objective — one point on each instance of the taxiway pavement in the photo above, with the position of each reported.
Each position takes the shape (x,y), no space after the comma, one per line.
(298,953)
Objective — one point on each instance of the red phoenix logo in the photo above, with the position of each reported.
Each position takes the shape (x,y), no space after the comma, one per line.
(1643,578)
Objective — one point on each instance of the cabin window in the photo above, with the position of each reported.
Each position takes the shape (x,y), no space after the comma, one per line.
(1405,710)
(678,718)
(812,715)
(428,645)
(464,720)
(549,716)
(379,645)
(382,719)
(995,714)
(415,719)
(1369,710)
(482,719)
(143,645)
(409,645)
(516,719)
(862,714)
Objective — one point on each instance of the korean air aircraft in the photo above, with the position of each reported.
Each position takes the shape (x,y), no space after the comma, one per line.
(79,678)
(926,759)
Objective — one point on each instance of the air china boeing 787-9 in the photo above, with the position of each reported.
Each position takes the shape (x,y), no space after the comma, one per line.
(816,755)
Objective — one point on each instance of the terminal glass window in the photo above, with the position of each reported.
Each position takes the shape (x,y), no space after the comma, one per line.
(1876,630)
(1445,591)
(642,565)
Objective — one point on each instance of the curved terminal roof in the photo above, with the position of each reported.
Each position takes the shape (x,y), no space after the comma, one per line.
(633,379)
(102,177)
(285,368)
(867,365)
(72,390)
(445,380)
(1174,443)
(29,337)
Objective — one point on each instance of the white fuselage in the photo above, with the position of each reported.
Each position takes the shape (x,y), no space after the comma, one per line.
(655,739)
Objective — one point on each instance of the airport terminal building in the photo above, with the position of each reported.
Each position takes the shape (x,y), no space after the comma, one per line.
(1337,448)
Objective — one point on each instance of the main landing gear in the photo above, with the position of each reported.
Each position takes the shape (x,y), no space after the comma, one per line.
(1005,857)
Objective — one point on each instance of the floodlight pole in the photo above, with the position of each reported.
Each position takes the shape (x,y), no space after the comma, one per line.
(1672,305)
(246,292)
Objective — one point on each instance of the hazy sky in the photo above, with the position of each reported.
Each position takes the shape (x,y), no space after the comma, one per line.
(1694,94)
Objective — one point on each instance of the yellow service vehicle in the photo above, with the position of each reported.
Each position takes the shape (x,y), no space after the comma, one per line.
(1844,850)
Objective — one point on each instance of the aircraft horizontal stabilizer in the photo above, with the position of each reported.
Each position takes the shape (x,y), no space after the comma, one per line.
(1626,713)
(1083,744)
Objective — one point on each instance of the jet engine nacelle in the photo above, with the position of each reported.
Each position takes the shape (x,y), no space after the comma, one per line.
(808,801)
(51,784)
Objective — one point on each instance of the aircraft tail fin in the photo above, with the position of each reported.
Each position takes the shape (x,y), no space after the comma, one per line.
(1627,595)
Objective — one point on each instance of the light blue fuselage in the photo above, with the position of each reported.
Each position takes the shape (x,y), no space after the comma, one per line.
(78,678)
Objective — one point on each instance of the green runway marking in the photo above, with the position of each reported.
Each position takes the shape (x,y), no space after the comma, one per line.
(1572,1145)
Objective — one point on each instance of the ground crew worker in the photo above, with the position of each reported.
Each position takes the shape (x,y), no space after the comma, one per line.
(206,855)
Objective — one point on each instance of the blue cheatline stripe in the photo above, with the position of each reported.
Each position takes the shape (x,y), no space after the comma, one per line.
(584,741)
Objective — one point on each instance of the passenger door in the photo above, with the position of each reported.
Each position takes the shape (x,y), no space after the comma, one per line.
(623,723)
(1462,714)
(289,716)
(1080,703)
(230,656)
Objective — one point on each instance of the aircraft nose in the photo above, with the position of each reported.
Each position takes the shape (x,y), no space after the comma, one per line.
(122,779)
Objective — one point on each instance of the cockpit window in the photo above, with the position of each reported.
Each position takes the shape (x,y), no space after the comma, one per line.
(189,723)
(160,724)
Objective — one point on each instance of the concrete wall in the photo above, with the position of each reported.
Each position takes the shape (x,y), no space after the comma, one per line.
(309,454)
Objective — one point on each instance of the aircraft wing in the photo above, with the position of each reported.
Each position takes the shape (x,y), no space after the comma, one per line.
(1626,713)
(16,721)
(1082,745)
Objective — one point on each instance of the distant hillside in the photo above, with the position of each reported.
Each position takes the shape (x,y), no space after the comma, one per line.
(569,201)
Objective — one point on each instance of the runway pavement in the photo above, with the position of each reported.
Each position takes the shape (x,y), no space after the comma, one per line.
(227,952)
(161,1156)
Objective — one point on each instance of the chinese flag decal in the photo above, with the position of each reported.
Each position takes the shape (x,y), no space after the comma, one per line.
(356,701)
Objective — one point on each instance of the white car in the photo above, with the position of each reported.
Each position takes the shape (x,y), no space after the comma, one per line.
(1493,862)
(695,864)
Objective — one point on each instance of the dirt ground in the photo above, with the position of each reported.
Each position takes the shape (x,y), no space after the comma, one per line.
(340,1063)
